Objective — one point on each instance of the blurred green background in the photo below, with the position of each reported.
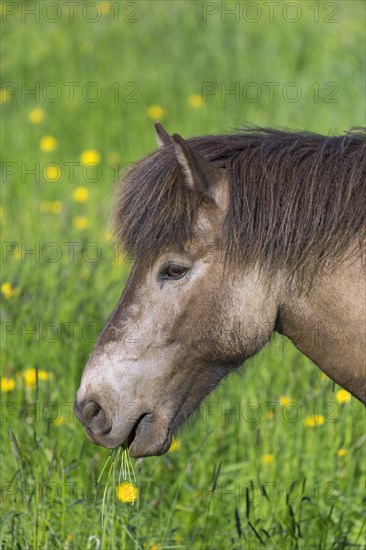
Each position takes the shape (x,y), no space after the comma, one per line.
(82,83)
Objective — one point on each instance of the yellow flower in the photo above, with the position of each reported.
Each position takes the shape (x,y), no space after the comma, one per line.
(341,452)
(108,235)
(51,206)
(35,116)
(52,172)
(5,96)
(81,222)
(81,194)
(48,144)
(155,112)
(104,7)
(90,156)
(343,396)
(30,377)
(7,290)
(284,400)
(267,459)
(175,445)
(7,384)
(127,492)
(154,547)
(314,420)
(59,421)
(56,207)
(195,101)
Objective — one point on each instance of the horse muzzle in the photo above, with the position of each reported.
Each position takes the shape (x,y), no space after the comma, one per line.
(144,435)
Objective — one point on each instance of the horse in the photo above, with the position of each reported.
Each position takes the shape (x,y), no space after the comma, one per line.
(234,237)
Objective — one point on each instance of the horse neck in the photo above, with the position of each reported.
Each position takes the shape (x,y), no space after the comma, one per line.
(328,324)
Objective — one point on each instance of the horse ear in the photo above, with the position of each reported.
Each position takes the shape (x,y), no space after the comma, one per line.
(201,175)
(162,136)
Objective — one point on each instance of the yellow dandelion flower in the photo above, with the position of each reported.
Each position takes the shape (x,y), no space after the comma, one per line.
(81,222)
(59,421)
(52,172)
(90,156)
(127,492)
(155,112)
(195,101)
(5,96)
(104,7)
(107,235)
(56,207)
(48,144)
(7,290)
(314,420)
(7,384)
(341,452)
(81,194)
(343,396)
(175,445)
(284,400)
(30,376)
(267,459)
(35,116)
(154,547)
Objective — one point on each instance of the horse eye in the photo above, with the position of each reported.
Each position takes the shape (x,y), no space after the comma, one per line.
(174,271)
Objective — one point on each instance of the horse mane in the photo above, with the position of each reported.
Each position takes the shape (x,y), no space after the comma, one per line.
(296,200)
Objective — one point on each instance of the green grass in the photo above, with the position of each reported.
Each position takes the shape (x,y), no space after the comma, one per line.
(307,496)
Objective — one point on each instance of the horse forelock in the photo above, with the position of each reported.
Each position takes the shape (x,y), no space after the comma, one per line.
(296,200)
(154,209)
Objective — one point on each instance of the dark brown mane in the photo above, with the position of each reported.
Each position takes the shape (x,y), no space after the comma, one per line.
(297,200)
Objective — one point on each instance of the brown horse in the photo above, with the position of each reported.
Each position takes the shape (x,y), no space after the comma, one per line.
(234,237)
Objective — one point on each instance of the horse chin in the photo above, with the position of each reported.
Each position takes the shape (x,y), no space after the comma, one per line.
(152,437)
(102,440)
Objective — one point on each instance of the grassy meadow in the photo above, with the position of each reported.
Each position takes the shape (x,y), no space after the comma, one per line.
(275,457)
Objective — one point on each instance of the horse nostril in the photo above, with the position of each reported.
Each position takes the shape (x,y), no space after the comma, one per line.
(91,410)
(94,417)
